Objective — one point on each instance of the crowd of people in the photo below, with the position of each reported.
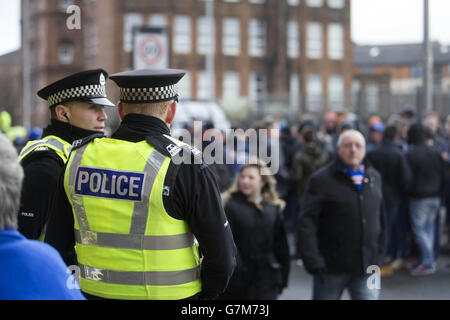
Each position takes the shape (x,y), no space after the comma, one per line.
(346,195)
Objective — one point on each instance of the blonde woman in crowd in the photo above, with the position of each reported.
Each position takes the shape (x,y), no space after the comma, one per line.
(253,209)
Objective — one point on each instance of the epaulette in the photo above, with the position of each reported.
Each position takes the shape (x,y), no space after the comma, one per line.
(82,142)
(170,148)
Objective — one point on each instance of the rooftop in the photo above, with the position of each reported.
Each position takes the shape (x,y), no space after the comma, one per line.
(398,54)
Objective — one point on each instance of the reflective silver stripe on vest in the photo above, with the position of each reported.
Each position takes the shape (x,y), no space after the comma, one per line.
(151,278)
(77,200)
(51,141)
(139,242)
(140,211)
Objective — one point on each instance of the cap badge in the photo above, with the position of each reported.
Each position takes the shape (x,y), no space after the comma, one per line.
(102,79)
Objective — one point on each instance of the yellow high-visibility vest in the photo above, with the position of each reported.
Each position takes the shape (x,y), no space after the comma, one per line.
(61,147)
(58,145)
(128,247)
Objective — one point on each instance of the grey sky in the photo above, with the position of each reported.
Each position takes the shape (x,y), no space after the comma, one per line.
(398,21)
(9,25)
(373,22)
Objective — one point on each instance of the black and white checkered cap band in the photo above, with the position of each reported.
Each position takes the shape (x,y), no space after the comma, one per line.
(133,95)
(89,91)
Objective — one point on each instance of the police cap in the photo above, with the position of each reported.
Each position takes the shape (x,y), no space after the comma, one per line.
(149,85)
(86,86)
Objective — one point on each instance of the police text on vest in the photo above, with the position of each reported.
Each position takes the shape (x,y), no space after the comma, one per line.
(111,184)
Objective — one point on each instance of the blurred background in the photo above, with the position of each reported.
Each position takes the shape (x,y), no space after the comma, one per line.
(246,58)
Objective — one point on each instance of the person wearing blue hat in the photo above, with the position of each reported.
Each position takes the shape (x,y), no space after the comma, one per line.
(376,133)
(76,106)
(133,205)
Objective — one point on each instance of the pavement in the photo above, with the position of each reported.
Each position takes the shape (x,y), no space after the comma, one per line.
(398,286)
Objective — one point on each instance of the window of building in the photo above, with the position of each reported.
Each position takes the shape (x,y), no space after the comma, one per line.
(314,39)
(184,87)
(182,34)
(293,41)
(205,38)
(293,2)
(231,85)
(256,88)
(257,38)
(256,1)
(356,88)
(314,93)
(366,70)
(158,20)
(203,86)
(63,4)
(131,20)
(336,4)
(335,92)
(416,71)
(294,94)
(372,97)
(314,3)
(66,53)
(90,37)
(231,42)
(335,41)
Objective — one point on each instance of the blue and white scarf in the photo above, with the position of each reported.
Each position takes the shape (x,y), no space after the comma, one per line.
(356,176)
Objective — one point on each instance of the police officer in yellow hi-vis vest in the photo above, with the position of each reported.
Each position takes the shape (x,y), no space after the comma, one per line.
(76,106)
(133,212)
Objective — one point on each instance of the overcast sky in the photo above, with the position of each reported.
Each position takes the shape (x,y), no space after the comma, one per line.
(373,22)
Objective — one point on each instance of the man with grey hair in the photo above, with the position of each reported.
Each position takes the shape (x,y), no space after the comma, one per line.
(29,270)
(341,226)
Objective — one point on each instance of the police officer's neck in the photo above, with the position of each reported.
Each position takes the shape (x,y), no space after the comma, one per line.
(66,131)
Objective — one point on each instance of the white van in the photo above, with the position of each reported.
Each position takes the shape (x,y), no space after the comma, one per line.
(189,111)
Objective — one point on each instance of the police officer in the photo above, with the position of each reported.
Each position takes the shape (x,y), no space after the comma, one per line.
(76,106)
(136,207)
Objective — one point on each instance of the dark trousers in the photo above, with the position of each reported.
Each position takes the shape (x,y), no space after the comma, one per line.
(392,215)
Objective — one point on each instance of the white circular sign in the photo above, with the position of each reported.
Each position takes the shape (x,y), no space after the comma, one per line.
(150,50)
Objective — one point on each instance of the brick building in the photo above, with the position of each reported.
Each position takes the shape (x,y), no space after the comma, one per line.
(290,53)
(389,78)
(10,84)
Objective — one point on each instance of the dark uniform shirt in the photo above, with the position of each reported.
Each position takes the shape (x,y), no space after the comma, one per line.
(42,169)
(194,198)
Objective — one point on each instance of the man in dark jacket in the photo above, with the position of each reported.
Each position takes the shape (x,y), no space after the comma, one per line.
(427,184)
(341,226)
(391,163)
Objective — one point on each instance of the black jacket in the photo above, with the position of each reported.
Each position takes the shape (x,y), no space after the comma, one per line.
(263,255)
(42,169)
(194,198)
(391,163)
(427,169)
(340,228)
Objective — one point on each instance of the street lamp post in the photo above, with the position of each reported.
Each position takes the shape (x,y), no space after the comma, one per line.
(427,103)
(26,64)
(209,9)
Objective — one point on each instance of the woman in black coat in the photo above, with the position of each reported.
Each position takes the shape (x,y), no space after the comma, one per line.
(253,210)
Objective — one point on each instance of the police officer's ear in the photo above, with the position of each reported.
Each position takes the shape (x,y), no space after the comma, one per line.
(120,110)
(62,113)
(171,112)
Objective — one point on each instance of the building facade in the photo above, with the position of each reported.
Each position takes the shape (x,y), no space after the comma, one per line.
(389,78)
(292,56)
